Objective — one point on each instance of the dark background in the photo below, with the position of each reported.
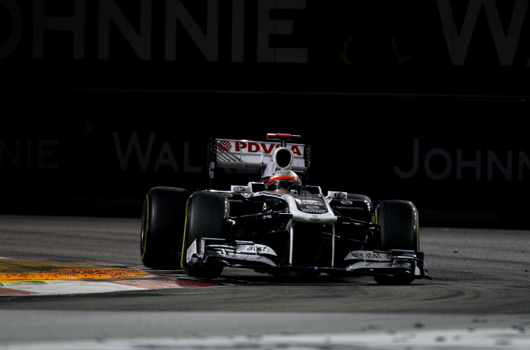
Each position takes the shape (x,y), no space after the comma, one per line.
(378,78)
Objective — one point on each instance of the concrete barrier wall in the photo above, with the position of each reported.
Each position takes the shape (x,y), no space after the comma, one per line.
(457,165)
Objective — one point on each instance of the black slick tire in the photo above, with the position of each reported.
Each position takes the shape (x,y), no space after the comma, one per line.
(205,216)
(163,217)
(398,220)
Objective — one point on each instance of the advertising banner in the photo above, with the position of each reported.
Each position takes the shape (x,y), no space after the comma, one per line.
(420,100)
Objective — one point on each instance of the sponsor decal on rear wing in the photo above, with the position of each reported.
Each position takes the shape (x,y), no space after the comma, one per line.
(254,154)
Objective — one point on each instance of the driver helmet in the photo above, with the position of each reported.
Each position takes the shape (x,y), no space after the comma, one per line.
(283,180)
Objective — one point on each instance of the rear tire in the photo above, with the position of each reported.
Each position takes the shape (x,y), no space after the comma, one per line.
(162,229)
(399,225)
(205,218)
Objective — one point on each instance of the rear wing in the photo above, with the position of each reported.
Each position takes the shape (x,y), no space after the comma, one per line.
(258,155)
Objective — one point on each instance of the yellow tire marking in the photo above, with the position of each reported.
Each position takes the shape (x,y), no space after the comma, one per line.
(184,236)
(145,221)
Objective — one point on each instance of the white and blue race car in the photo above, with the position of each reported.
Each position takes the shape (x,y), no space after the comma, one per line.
(278,225)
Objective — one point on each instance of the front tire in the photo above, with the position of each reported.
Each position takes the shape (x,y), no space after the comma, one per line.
(399,225)
(205,218)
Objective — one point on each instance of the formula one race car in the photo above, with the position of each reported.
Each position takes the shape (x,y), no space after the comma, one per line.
(278,225)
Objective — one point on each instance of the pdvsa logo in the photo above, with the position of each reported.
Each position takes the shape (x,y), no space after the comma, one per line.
(253,147)
(224,146)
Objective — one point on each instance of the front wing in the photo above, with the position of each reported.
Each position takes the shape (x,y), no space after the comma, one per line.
(245,254)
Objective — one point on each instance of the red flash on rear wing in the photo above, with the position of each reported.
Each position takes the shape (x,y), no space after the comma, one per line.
(283,138)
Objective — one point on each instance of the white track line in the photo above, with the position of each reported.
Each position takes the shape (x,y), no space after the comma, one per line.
(505,339)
